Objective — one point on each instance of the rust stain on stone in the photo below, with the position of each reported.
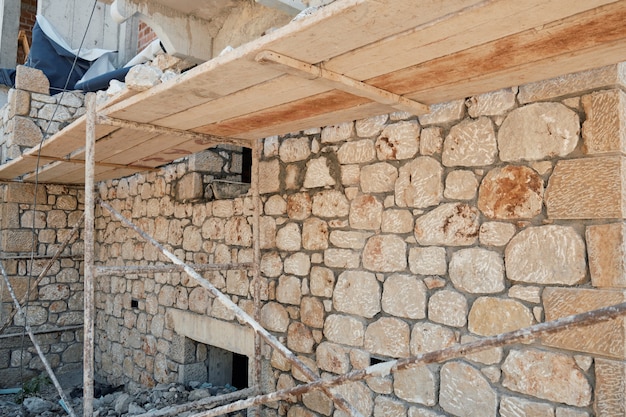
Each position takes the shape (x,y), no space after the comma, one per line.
(506,193)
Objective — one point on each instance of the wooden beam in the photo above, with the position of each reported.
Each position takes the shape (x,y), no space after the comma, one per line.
(98,164)
(340,82)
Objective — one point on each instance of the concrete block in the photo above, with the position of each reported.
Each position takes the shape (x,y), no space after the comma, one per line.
(192,372)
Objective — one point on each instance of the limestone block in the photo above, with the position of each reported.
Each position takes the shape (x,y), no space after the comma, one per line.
(385,253)
(365,212)
(397,221)
(388,336)
(54,292)
(36,316)
(294,149)
(20,286)
(488,356)
(569,84)
(511,192)
(448,112)
(332,358)
(349,239)
(494,103)
(322,281)
(550,376)
(330,203)
(404,296)
(223,208)
(206,161)
(350,174)
(470,143)
(298,264)
(496,233)
(378,178)
(357,293)
(428,261)
(461,185)
(24,193)
(590,188)
(300,338)
(371,126)
(315,234)
(142,77)
(429,337)
(398,141)
(289,238)
(606,251)
(275,206)
(299,206)
(465,392)
(477,271)
(238,231)
(448,307)
(72,99)
(570,412)
(538,131)
(341,258)
(357,152)
(431,141)
(419,183)
(528,293)
(519,407)
(270,172)
(19,102)
(318,402)
(190,187)
(604,129)
(55,113)
(452,224)
(610,393)
(546,255)
(416,385)
(267,232)
(357,394)
(271,146)
(337,133)
(289,290)
(490,316)
(312,312)
(31,79)
(18,241)
(318,173)
(345,330)
(385,406)
(606,338)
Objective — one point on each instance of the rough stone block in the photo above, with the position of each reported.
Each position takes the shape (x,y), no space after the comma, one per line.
(589,188)
(24,193)
(607,338)
(17,241)
(604,129)
(31,79)
(25,132)
(610,395)
(19,102)
(576,83)
(192,372)
(606,250)
(190,187)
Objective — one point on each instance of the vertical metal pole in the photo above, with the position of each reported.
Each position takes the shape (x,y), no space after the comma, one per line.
(88,342)
(256,229)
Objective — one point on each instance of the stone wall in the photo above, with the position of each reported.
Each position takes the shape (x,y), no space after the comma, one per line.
(55,308)
(396,235)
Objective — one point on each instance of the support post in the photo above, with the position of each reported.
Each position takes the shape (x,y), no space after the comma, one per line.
(88,340)
(256,231)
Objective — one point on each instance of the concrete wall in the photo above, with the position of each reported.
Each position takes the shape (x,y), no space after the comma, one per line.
(9,26)
(395,235)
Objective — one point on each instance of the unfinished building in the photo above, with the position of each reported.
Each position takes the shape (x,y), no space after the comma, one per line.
(421,175)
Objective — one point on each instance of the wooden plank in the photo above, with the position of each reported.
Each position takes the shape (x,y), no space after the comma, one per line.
(71,137)
(17,167)
(143,153)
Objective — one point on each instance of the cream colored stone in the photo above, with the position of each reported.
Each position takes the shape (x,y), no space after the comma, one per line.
(318,173)
(299,206)
(604,129)
(606,251)
(332,358)
(610,392)
(448,307)
(293,177)
(274,317)
(31,79)
(365,212)
(398,141)
(358,395)
(465,392)
(431,141)
(385,253)
(526,293)
(518,407)
(487,357)
(416,385)
(322,281)
(300,338)
(589,188)
(298,264)
(318,402)
(602,338)
(470,143)
(419,183)
(288,237)
(538,131)
(490,316)
(357,293)
(496,233)
(341,258)
(511,192)
(451,111)
(19,102)
(350,174)
(24,132)
(404,296)
(312,312)
(429,337)
(388,336)
(546,255)
(314,234)
(271,265)
(385,406)
(477,271)
(542,167)
(275,206)
(270,172)
(491,104)
(288,290)
(330,203)
(345,330)
(546,375)
(337,133)
(294,149)
(397,221)
(461,185)
(570,412)
(452,224)
(371,126)
(238,232)
(430,260)
(357,152)
(267,235)
(422,412)
(378,178)
(349,239)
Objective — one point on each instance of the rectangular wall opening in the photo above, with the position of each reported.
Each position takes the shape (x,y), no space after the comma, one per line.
(226,368)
